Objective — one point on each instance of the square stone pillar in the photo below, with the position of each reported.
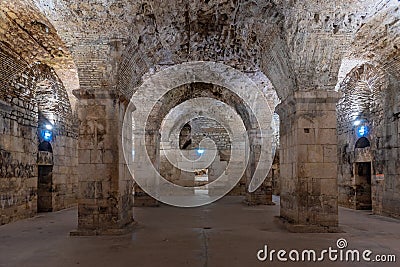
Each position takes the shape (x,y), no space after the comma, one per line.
(308,161)
(105,184)
(263,194)
(141,198)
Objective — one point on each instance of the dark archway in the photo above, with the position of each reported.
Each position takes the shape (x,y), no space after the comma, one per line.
(363,142)
(45,177)
(360,118)
(362,176)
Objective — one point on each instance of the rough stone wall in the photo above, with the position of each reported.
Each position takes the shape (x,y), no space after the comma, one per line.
(124,40)
(387,153)
(21,99)
(214,31)
(206,128)
(369,95)
(318,35)
(53,104)
(298,44)
(362,101)
(178,95)
(18,140)
(378,38)
(274,176)
(34,39)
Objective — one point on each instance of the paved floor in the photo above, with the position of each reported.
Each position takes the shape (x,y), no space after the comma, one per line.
(226,233)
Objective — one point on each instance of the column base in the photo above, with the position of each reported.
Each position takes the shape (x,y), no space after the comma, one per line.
(306,228)
(145,201)
(255,201)
(127,229)
(259,197)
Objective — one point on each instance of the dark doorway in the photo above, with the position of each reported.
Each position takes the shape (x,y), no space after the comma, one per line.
(363,185)
(362,143)
(45,178)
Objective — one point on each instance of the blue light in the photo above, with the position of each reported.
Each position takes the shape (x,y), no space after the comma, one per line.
(362,131)
(200,151)
(47,135)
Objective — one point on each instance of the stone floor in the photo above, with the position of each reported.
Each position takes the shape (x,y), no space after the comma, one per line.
(226,233)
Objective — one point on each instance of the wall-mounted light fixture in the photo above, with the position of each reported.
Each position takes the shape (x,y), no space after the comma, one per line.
(200,151)
(361,126)
(362,131)
(47,132)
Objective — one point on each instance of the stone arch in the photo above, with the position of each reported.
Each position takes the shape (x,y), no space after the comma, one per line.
(365,92)
(250,45)
(206,72)
(17,81)
(38,42)
(53,100)
(55,114)
(192,91)
(212,123)
(377,39)
(45,146)
(362,142)
(185,136)
(32,62)
(185,92)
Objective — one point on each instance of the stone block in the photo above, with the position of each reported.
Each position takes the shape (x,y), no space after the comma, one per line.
(318,170)
(315,153)
(329,187)
(326,136)
(330,153)
(305,136)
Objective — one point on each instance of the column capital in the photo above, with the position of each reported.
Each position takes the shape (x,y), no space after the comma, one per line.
(100,94)
(312,96)
(316,96)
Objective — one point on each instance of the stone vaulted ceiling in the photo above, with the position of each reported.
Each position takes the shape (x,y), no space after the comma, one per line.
(298,45)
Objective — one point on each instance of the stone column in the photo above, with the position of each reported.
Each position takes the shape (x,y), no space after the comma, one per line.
(142,199)
(263,194)
(308,161)
(105,184)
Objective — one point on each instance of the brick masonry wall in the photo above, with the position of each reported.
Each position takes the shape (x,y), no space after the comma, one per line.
(207,128)
(20,101)
(369,94)
(52,101)
(18,140)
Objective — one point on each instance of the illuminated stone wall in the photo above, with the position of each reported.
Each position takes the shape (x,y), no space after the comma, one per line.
(369,99)
(23,96)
